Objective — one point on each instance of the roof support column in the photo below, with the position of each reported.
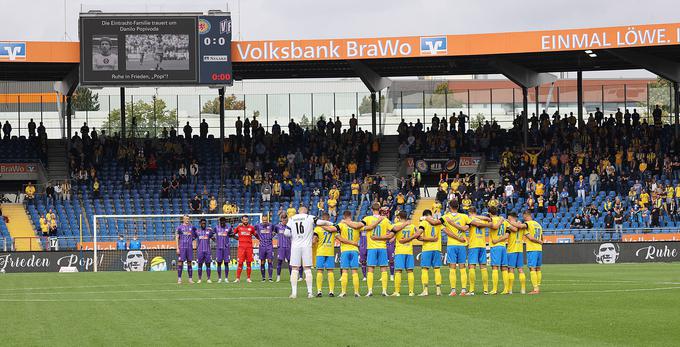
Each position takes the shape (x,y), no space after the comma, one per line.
(676,98)
(373,113)
(374,83)
(525,118)
(524,78)
(579,96)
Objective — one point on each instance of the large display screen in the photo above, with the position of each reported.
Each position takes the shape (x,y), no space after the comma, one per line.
(155,49)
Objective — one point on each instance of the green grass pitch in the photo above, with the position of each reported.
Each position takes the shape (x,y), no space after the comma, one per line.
(622,304)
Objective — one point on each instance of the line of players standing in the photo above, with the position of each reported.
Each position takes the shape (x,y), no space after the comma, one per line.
(374,241)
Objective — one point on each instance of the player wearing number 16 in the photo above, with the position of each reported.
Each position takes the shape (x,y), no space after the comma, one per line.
(301,231)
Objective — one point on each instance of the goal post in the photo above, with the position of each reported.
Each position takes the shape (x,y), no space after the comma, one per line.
(157,229)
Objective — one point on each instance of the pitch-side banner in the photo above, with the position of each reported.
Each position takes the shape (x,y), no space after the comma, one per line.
(458,45)
(611,252)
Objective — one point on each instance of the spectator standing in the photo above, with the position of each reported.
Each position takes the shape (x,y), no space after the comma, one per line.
(66,190)
(135,244)
(193,170)
(365,189)
(31,128)
(266,191)
(7,130)
(96,187)
(203,129)
(187,131)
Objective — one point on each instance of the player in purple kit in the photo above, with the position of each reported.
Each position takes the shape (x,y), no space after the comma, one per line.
(266,232)
(284,245)
(203,236)
(363,251)
(222,234)
(184,239)
(390,257)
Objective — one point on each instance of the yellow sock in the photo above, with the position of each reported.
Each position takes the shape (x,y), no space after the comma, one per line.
(463,278)
(511,280)
(494,280)
(472,277)
(411,282)
(452,278)
(369,281)
(534,279)
(384,278)
(397,281)
(343,282)
(319,281)
(485,279)
(331,282)
(523,281)
(355,283)
(425,278)
(438,277)
(540,277)
(506,285)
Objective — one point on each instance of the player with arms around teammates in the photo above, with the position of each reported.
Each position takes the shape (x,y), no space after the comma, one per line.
(184,238)
(348,233)
(431,256)
(324,239)
(301,230)
(532,233)
(403,253)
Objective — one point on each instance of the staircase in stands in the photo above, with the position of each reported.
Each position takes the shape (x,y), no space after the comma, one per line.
(57,159)
(20,228)
(388,159)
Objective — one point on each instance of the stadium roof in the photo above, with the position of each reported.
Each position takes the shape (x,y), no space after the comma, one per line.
(608,48)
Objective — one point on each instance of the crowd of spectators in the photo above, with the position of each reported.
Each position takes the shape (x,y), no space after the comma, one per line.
(636,165)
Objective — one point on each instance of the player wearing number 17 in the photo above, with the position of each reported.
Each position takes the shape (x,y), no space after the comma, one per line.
(325,256)
(349,251)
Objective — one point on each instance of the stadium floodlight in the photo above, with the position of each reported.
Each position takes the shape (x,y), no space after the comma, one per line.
(588,51)
(150,227)
(592,55)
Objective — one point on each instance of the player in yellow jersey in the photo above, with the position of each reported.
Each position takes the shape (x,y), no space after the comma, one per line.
(498,236)
(515,254)
(376,237)
(477,250)
(431,256)
(325,255)
(455,226)
(533,236)
(403,254)
(348,235)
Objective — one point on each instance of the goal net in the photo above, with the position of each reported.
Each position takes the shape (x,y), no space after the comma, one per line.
(115,239)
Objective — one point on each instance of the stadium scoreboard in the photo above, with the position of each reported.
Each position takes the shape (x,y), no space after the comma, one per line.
(127,50)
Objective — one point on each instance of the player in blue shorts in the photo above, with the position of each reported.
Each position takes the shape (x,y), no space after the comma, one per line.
(403,258)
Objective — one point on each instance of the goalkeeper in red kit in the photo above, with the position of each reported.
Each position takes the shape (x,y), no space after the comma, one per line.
(244,233)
